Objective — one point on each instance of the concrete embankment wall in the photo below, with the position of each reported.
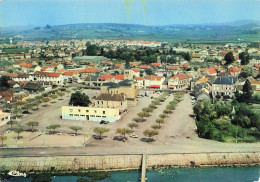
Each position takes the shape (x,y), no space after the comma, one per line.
(121,162)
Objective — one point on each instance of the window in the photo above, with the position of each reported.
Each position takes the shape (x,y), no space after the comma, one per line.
(76,115)
(121,103)
(82,115)
(92,116)
(87,110)
(104,112)
(79,110)
(71,114)
(97,102)
(103,116)
(71,110)
(95,111)
(101,102)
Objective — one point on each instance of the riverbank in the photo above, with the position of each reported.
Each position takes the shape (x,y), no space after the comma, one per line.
(128,162)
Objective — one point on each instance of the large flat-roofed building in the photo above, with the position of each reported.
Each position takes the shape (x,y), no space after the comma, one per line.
(90,113)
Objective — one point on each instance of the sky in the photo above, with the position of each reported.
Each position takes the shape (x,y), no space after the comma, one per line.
(145,12)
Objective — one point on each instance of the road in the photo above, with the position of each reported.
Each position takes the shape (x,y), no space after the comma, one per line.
(176,136)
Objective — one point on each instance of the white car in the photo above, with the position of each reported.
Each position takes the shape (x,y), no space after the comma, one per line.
(133,136)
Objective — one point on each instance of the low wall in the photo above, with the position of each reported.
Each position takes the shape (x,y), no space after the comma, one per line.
(122,162)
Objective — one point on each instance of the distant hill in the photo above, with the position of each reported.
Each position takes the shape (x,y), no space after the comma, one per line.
(238,31)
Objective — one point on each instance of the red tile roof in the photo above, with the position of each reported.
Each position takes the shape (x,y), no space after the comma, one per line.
(172,68)
(89,70)
(70,63)
(105,77)
(54,74)
(119,77)
(151,77)
(139,78)
(212,71)
(156,64)
(25,65)
(135,69)
(144,67)
(13,75)
(179,76)
(234,69)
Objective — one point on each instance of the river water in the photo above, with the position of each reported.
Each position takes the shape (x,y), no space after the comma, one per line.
(222,174)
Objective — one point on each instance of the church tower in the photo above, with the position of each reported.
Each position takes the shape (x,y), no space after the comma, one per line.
(128,73)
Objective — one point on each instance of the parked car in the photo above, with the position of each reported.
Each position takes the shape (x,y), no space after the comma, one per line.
(73,134)
(133,136)
(104,122)
(120,138)
(26,112)
(58,133)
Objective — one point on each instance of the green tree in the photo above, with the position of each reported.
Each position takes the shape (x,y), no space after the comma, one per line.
(123,131)
(149,71)
(12,122)
(155,127)
(3,138)
(53,127)
(18,131)
(163,116)
(61,94)
(100,131)
(132,125)
(229,58)
(246,72)
(138,120)
(143,114)
(79,99)
(32,124)
(167,111)
(244,57)
(76,128)
(150,133)
(54,97)
(4,85)
(92,50)
(160,121)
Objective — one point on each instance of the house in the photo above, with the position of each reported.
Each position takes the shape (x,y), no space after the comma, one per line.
(68,76)
(105,79)
(224,86)
(234,71)
(153,82)
(55,78)
(136,72)
(23,77)
(91,80)
(178,82)
(4,117)
(197,58)
(6,96)
(173,70)
(119,78)
(108,100)
(127,87)
(88,71)
(203,94)
(211,72)
(140,82)
(255,87)
(32,86)
(90,113)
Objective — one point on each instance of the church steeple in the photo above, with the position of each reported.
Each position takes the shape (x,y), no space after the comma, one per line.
(127,65)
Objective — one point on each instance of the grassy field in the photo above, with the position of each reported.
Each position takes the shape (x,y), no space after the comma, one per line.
(15,50)
(172,33)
